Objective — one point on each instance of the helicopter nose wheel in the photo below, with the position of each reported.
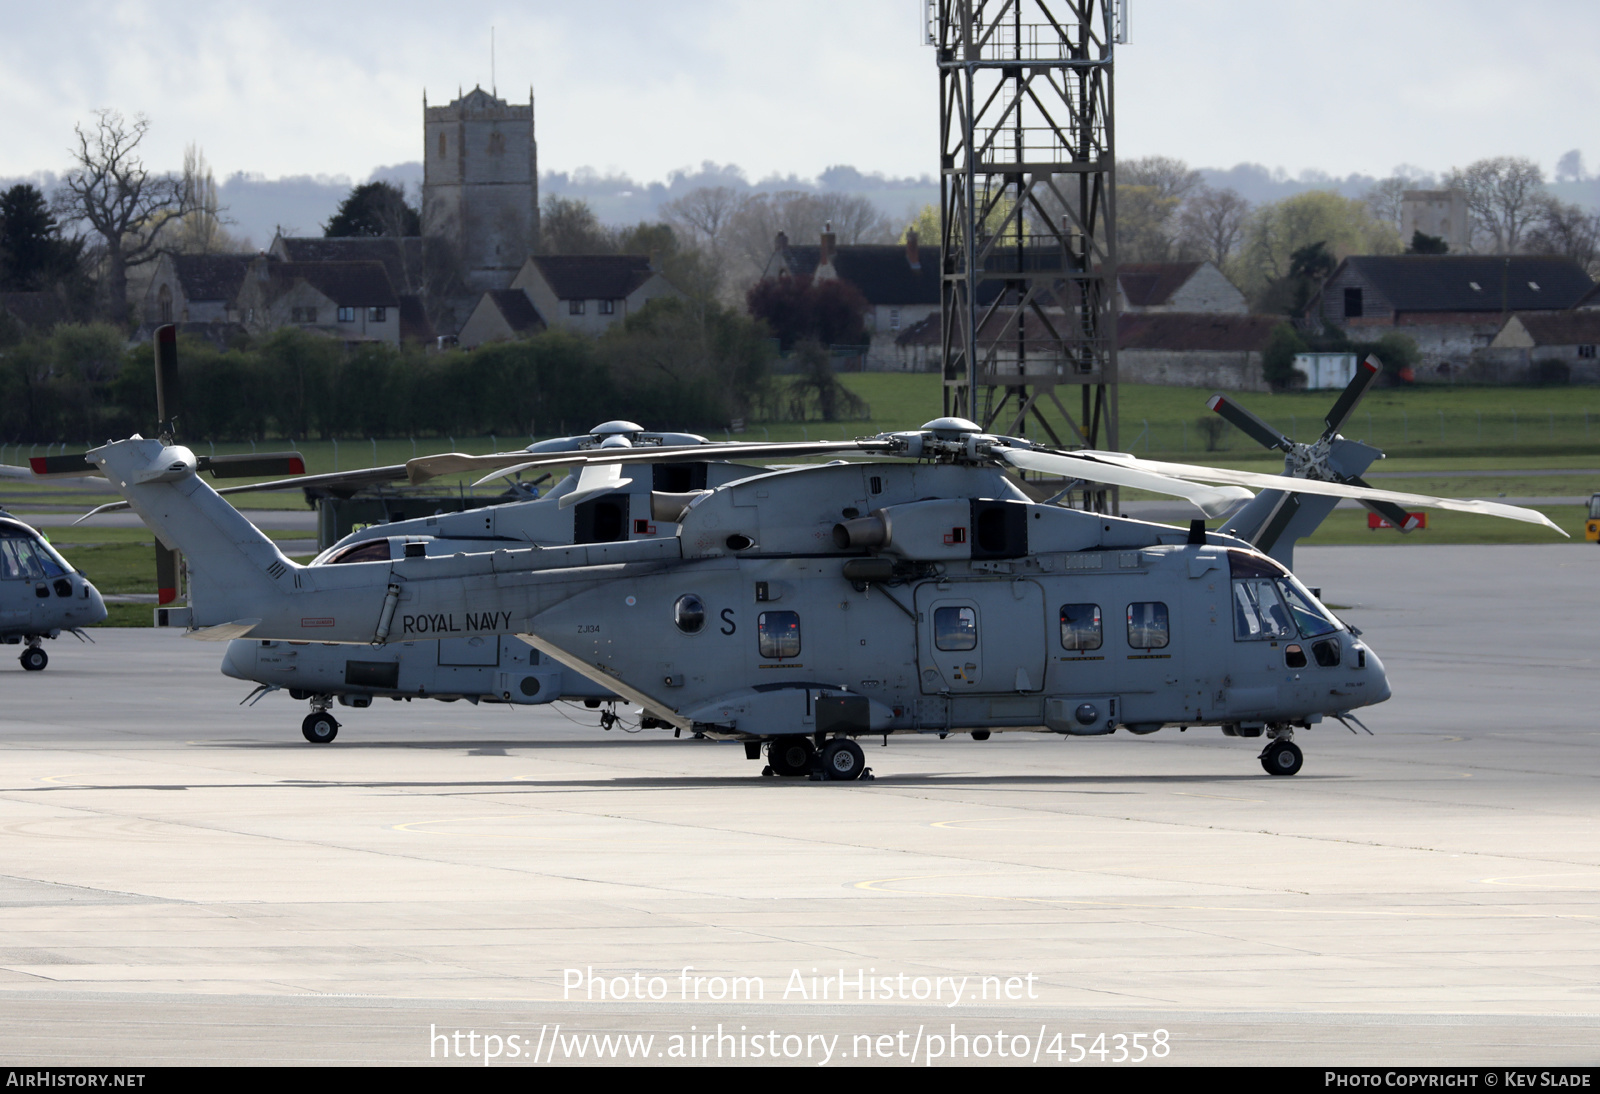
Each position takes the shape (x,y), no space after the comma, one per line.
(34,659)
(319,728)
(1282,758)
(843,760)
(791,755)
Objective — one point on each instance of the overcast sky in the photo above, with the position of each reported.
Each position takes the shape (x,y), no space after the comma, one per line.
(295,87)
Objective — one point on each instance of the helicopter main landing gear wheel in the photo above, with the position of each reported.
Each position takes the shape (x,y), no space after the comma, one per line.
(320,727)
(34,659)
(792,756)
(1282,758)
(843,760)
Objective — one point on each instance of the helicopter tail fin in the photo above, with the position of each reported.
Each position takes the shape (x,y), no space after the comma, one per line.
(234,569)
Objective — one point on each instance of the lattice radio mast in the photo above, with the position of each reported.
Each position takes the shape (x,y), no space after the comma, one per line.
(1028,209)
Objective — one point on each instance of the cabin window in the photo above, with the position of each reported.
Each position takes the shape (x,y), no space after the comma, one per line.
(1148,627)
(1352,304)
(347,315)
(377,315)
(608,307)
(689,613)
(1585,351)
(1080,627)
(955,628)
(778,634)
(574,307)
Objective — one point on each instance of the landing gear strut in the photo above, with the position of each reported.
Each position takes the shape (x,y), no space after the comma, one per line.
(33,658)
(320,727)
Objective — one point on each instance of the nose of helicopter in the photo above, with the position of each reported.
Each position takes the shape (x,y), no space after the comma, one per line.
(97,605)
(1377,679)
(239,659)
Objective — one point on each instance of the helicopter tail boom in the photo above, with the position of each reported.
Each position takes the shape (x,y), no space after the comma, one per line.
(241,567)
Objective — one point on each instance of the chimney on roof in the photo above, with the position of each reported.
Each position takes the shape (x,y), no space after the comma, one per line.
(825,253)
(912,258)
(781,243)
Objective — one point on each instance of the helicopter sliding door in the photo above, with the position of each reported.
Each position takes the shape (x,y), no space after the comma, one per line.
(981,637)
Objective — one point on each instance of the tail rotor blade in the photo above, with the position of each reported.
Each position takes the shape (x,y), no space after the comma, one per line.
(166,378)
(253,465)
(73,464)
(167,562)
(1388,510)
(1254,427)
(1366,374)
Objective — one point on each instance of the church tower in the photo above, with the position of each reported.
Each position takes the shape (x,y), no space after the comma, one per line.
(480,184)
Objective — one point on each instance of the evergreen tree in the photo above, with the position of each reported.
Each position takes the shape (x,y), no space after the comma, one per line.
(374,209)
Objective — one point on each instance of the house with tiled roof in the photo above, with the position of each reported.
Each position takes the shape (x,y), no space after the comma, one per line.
(589,293)
(1194,287)
(351,301)
(194,288)
(1550,345)
(1451,305)
(502,315)
(900,282)
(1217,350)
(402,256)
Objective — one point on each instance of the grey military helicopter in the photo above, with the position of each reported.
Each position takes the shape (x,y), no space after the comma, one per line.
(799,609)
(595,505)
(507,670)
(41,595)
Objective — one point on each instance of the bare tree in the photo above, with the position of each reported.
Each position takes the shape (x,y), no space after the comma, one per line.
(1386,199)
(1503,197)
(801,216)
(1172,179)
(702,216)
(1562,228)
(1212,223)
(127,207)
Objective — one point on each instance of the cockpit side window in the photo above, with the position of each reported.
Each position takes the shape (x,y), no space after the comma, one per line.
(23,559)
(1311,617)
(376,550)
(1258,611)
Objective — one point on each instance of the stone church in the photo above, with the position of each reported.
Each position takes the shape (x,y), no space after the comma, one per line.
(480,185)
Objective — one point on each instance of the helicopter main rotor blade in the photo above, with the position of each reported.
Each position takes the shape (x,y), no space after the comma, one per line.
(1319,486)
(1252,426)
(1212,501)
(423,468)
(1366,374)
